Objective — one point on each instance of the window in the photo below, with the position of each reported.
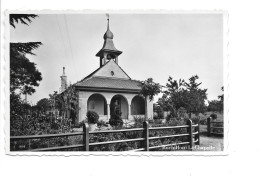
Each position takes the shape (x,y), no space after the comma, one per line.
(112,73)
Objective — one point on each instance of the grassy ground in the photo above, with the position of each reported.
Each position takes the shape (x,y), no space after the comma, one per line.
(212,143)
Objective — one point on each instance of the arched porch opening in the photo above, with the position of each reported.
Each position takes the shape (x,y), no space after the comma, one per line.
(138,105)
(97,103)
(119,101)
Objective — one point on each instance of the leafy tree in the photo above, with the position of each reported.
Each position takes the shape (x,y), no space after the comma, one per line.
(185,95)
(158,109)
(22,18)
(221,97)
(149,89)
(44,104)
(217,105)
(66,102)
(24,75)
(196,96)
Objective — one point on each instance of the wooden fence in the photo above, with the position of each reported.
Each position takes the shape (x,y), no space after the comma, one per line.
(211,128)
(193,137)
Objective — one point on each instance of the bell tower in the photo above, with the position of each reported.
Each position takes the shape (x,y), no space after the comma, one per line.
(108,51)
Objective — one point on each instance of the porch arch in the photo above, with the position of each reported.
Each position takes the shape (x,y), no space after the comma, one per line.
(138,105)
(120,101)
(98,103)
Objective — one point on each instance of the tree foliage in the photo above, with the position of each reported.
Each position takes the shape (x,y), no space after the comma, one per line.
(66,102)
(25,48)
(217,105)
(148,90)
(44,104)
(185,95)
(24,76)
(22,18)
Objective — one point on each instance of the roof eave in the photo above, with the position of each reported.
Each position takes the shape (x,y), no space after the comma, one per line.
(108,50)
(107,89)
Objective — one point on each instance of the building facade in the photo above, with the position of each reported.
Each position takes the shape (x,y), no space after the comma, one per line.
(109,86)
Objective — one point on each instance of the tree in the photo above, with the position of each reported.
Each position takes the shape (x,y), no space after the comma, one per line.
(187,95)
(24,75)
(196,96)
(44,104)
(66,102)
(217,105)
(22,18)
(148,90)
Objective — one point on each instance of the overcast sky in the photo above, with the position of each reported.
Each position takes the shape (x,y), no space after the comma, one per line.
(153,45)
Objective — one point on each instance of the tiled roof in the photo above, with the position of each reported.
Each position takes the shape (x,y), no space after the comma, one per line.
(105,82)
(109,46)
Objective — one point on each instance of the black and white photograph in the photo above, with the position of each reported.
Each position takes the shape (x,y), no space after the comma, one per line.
(117,82)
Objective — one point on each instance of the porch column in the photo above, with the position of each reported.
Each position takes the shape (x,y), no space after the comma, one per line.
(108,112)
(129,111)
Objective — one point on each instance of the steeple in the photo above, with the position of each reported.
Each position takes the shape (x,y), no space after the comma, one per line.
(108,50)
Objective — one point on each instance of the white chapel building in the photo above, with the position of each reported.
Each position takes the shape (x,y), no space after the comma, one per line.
(109,85)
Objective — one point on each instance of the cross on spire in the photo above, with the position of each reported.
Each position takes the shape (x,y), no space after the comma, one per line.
(107,21)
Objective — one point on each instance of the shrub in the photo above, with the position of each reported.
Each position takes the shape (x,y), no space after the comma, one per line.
(92,117)
(214,116)
(182,113)
(116,119)
(102,123)
(82,123)
(155,115)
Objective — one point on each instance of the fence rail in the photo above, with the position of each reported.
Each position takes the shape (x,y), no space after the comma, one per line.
(193,137)
(211,127)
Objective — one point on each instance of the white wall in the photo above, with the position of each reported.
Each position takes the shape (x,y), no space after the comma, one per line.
(84,96)
(111,66)
(149,109)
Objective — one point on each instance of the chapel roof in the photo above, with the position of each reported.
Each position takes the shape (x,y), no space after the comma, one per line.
(110,83)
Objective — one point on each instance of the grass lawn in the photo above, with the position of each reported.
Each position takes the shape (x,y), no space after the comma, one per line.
(212,143)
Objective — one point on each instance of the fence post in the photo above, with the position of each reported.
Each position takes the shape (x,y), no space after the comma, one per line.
(189,129)
(208,125)
(146,135)
(86,137)
(198,135)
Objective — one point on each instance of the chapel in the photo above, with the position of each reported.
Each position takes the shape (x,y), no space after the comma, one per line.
(109,86)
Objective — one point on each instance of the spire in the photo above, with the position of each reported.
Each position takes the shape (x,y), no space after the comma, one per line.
(108,51)
(107,21)
(63,72)
(108,33)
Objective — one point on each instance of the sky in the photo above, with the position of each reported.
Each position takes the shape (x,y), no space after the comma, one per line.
(153,45)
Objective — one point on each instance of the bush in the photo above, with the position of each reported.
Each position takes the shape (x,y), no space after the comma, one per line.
(92,117)
(82,123)
(214,116)
(102,123)
(182,113)
(103,137)
(116,119)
